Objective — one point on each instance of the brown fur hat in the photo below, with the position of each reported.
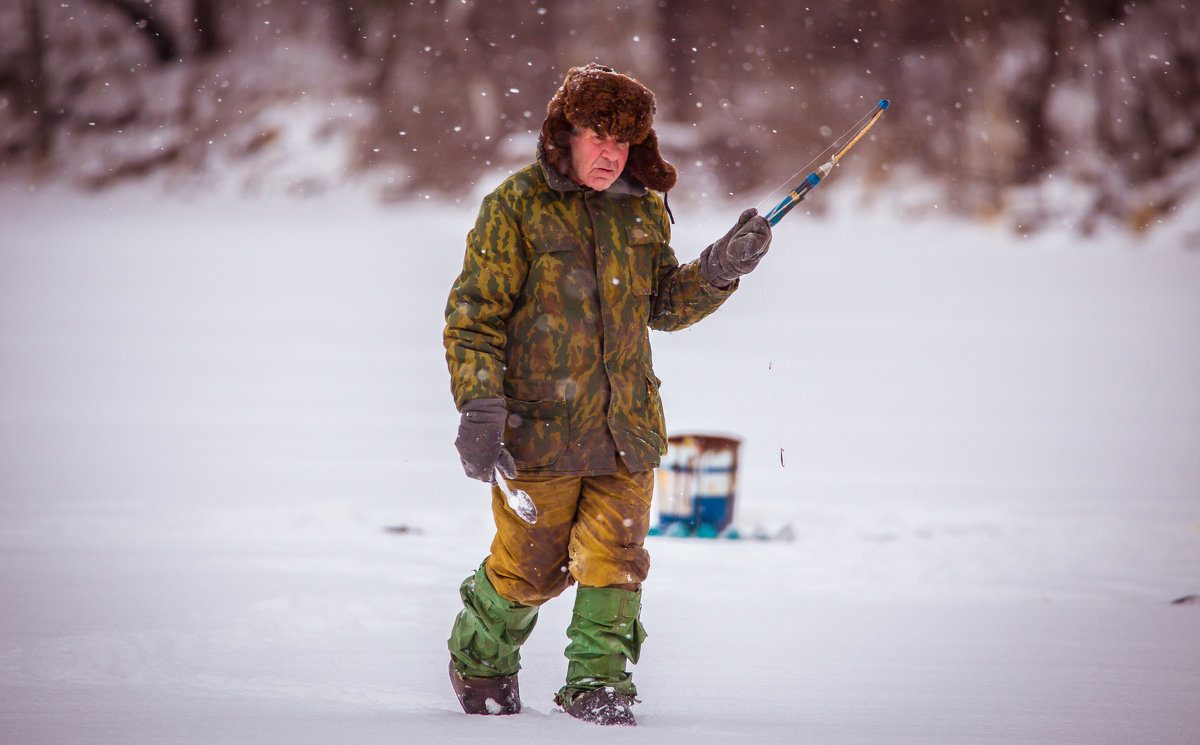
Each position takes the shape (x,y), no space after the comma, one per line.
(613,105)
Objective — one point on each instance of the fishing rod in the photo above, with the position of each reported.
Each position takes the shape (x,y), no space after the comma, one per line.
(796,196)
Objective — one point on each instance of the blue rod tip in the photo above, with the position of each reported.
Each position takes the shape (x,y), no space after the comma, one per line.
(884,103)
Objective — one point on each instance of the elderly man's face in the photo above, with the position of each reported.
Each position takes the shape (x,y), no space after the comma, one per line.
(596,161)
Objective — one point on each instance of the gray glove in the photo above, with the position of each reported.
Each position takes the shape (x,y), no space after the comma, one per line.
(480,440)
(737,252)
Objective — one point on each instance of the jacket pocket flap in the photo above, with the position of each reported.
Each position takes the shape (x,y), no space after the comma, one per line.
(639,233)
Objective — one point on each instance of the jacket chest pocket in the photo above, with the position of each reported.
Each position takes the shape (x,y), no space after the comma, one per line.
(561,274)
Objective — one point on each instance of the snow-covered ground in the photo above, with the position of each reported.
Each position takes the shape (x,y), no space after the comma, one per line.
(210,411)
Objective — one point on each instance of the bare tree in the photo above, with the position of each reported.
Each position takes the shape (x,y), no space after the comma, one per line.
(205,15)
(681,71)
(160,37)
(36,82)
(349,26)
(1029,100)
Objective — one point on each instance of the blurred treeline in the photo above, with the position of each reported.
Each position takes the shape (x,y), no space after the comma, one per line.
(992,101)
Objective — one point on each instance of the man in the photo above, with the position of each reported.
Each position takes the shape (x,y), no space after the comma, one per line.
(546,338)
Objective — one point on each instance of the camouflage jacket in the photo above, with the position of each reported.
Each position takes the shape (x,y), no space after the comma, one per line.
(559,286)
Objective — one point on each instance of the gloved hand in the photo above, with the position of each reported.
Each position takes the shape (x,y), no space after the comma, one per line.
(738,251)
(480,440)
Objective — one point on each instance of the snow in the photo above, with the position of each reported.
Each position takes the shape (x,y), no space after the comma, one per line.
(211,410)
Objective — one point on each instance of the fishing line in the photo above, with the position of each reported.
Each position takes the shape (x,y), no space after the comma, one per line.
(852,135)
(762,285)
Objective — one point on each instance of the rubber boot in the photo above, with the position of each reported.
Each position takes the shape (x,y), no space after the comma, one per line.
(485,647)
(605,633)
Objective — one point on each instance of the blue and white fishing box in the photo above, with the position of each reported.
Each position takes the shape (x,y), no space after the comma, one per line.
(696,486)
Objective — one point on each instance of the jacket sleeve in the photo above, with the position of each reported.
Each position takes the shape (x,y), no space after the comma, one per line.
(682,295)
(481,301)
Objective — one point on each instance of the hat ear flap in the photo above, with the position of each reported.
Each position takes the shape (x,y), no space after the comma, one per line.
(647,165)
(556,140)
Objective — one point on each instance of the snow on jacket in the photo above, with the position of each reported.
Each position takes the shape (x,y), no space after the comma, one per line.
(558,289)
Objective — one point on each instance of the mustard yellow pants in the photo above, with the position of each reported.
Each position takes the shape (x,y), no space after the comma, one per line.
(590,530)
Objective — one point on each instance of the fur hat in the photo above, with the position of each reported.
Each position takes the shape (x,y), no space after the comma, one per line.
(612,105)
